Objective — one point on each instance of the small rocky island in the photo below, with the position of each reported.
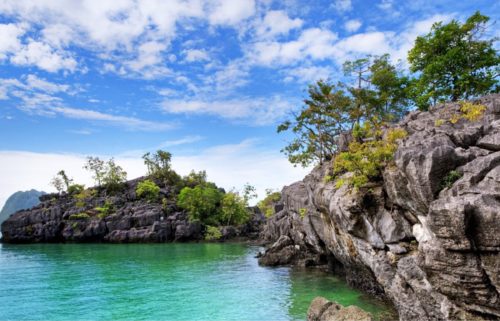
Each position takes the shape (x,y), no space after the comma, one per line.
(426,236)
(92,215)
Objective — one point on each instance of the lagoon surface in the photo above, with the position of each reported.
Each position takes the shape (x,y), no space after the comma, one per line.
(205,281)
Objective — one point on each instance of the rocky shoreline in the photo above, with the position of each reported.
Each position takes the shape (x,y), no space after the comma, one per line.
(425,237)
(426,240)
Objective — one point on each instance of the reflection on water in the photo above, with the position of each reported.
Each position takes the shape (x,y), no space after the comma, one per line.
(158,281)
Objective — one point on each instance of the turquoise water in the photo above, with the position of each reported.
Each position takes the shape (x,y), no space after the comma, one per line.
(157,282)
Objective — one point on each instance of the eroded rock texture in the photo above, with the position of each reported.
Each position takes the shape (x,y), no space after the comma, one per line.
(132,220)
(431,248)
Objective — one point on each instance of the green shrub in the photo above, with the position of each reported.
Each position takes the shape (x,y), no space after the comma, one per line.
(79,216)
(148,189)
(213,233)
(75,189)
(449,179)
(367,155)
(302,212)
(267,204)
(201,203)
(234,209)
(83,196)
(105,210)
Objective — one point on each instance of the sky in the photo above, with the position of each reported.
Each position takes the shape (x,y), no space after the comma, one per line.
(207,80)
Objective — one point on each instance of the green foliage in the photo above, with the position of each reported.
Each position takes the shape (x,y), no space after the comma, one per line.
(83,196)
(472,112)
(249,192)
(234,209)
(267,204)
(106,210)
(449,179)
(201,203)
(379,92)
(302,212)
(454,62)
(367,155)
(75,189)
(97,167)
(213,233)
(79,216)
(148,189)
(159,167)
(114,176)
(325,115)
(195,178)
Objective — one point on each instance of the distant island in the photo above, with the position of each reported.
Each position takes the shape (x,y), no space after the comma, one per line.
(20,201)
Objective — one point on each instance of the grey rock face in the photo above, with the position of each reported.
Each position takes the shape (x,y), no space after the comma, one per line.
(428,244)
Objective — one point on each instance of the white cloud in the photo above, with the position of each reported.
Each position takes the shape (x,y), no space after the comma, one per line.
(342,5)
(124,121)
(276,23)
(227,165)
(10,34)
(35,83)
(312,43)
(353,25)
(230,12)
(38,96)
(308,74)
(44,57)
(193,55)
(252,110)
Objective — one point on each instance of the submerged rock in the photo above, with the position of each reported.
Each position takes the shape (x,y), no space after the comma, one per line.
(427,243)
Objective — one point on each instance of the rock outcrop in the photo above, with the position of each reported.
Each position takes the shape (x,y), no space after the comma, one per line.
(323,310)
(426,236)
(131,220)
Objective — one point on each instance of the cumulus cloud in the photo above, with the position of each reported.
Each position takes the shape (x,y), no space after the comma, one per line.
(277,22)
(229,166)
(352,25)
(193,55)
(230,12)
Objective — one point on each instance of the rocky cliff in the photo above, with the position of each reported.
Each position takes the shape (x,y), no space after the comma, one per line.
(58,218)
(426,236)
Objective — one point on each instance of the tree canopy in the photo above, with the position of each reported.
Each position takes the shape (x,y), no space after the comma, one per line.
(454,62)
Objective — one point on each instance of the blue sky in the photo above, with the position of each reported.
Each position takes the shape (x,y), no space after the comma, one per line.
(206,80)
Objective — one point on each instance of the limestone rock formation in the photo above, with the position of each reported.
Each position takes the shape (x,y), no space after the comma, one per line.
(323,310)
(426,236)
(132,220)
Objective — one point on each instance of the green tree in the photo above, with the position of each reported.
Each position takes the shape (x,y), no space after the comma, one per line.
(114,176)
(267,204)
(234,209)
(325,115)
(58,183)
(195,178)
(201,203)
(454,61)
(380,90)
(97,167)
(159,167)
